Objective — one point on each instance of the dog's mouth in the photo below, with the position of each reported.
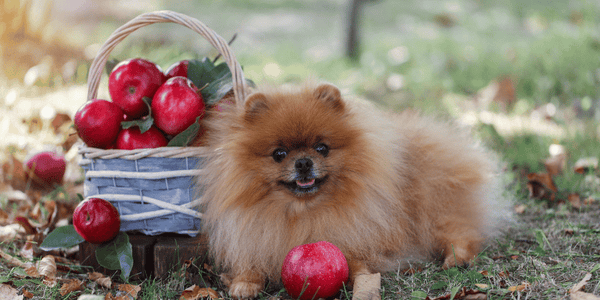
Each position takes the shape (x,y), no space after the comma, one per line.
(304,186)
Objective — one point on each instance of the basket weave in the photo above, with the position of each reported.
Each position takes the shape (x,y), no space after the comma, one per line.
(153,189)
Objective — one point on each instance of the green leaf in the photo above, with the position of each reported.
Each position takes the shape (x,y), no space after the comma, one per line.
(439,285)
(185,137)
(116,255)
(454,291)
(595,268)
(61,237)
(110,65)
(144,123)
(418,295)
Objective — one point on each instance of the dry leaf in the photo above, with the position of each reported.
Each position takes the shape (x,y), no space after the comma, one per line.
(577,290)
(583,165)
(519,209)
(482,286)
(130,289)
(47,266)
(465,295)
(588,201)
(70,286)
(7,292)
(569,231)
(575,200)
(27,294)
(579,286)
(555,164)
(484,273)
(541,186)
(100,279)
(194,292)
(367,287)
(11,232)
(11,259)
(504,274)
(519,288)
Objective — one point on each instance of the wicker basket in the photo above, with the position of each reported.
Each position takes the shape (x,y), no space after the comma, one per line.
(153,189)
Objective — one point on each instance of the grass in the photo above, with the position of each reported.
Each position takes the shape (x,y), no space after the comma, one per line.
(549,49)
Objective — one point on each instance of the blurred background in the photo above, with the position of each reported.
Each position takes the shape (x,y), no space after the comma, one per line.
(512,66)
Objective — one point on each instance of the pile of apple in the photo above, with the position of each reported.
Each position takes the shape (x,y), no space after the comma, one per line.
(148,107)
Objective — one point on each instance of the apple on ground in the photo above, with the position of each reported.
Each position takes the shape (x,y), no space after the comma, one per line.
(176,105)
(98,123)
(130,81)
(179,68)
(47,166)
(132,138)
(96,220)
(313,271)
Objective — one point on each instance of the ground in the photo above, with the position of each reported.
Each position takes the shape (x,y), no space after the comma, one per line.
(522,75)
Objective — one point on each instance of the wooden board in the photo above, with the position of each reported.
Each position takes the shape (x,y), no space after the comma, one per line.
(152,255)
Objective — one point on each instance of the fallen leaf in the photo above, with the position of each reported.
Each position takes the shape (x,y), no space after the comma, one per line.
(100,279)
(519,209)
(11,232)
(503,274)
(576,292)
(464,294)
(575,200)
(12,260)
(47,266)
(195,292)
(541,186)
(555,164)
(584,165)
(70,286)
(519,288)
(130,289)
(484,273)
(27,294)
(8,292)
(59,120)
(588,201)
(482,286)
(569,231)
(367,287)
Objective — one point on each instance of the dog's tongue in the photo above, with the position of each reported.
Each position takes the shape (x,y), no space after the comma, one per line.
(305,184)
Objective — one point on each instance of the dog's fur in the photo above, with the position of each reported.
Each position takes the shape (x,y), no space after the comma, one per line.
(396,187)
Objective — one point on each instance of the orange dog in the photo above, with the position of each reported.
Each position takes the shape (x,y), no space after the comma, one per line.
(296,166)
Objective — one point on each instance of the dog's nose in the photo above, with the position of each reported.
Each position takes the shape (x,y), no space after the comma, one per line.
(304,164)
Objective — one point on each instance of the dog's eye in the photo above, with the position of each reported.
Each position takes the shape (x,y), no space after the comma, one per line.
(279,154)
(322,149)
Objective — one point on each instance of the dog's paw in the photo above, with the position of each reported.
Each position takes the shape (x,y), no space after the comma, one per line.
(244,289)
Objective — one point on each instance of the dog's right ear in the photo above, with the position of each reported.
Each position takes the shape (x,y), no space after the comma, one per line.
(255,105)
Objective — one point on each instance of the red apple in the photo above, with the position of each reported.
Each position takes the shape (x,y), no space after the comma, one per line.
(130,81)
(176,105)
(179,68)
(96,220)
(49,167)
(132,138)
(313,271)
(98,123)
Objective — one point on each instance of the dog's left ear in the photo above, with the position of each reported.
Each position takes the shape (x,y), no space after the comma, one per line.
(330,95)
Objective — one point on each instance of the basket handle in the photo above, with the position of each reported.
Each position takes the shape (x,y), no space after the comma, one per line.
(165,16)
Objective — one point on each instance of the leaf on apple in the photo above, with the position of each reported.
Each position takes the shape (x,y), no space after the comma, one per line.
(185,137)
(214,81)
(110,65)
(61,237)
(144,123)
(116,255)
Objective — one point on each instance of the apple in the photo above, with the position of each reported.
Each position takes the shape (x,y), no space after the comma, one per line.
(130,81)
(96,220)
(98,123)
(132,138)
(176,105)
(47,166)
(179,68)
(313,271)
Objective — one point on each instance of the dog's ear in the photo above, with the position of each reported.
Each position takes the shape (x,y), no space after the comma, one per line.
(330,95)
(255,105)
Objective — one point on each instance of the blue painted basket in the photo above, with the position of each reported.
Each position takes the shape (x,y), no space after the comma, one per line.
(153,189)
